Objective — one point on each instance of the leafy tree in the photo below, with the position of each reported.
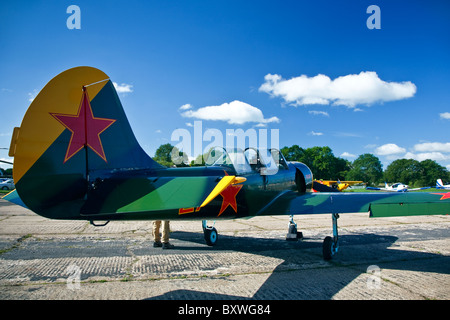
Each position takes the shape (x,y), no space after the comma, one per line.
(293,153)
(406,171)
(367,168)
(431,172)
(320,160)
(341,168)
(200,160)
(168,156)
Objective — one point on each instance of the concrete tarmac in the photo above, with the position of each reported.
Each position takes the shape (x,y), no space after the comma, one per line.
(382,259)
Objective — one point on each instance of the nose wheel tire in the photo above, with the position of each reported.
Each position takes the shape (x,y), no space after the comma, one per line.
(327,248)
(210,236)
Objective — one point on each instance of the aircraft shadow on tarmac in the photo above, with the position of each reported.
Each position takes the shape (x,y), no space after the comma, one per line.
(323,279)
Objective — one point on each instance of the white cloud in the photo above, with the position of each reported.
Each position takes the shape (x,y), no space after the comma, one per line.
(32,95)
(123,88)
(4,165)
(364,88)
(389,149)
(313,133)
(437,151)
(235,112)
(186,106)
(445,115)
(432,147)
(348,155)
(317,113)
(436,156)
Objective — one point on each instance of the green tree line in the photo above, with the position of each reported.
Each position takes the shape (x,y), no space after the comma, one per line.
(325,165)
(367,167)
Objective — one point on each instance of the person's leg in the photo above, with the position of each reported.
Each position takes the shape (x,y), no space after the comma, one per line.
(156,234)
(165,235)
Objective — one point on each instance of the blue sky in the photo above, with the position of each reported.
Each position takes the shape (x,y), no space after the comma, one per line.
(311,69)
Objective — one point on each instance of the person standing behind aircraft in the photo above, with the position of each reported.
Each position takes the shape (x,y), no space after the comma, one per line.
(165,244)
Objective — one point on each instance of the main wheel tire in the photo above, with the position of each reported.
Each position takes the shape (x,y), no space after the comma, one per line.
(211,236)
(327,248)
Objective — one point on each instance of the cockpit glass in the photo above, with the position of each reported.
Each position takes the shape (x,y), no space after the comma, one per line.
(233,158)
(264,161)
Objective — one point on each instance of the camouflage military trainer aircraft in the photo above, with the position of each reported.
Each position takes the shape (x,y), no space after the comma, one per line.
(76,157)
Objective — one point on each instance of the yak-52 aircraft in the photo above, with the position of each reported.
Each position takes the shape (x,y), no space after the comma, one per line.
(76,157)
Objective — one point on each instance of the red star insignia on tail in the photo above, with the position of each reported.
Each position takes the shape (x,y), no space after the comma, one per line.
(85,128)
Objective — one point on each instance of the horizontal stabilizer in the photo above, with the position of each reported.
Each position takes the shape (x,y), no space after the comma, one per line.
(13,197)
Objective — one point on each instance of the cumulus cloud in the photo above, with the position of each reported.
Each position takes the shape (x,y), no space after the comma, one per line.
(445,115)
(347,155)
(389,149)
(432,147)
(437,151)
(436,156)
(123,88)
(235,112)
(365,88)
(186,106)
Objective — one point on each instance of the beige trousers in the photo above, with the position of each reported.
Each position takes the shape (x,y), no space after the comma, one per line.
(165,231)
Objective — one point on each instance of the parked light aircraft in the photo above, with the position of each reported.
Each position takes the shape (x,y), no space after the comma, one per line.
(440,185)
(337,184)
(396,187)
(76,141)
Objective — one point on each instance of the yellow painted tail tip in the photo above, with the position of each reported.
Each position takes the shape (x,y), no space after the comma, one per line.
(239,180)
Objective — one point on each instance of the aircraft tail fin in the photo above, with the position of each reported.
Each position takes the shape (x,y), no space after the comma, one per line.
(439,183)
(73,129)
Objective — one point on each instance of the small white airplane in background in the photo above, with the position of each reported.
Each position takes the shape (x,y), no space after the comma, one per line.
(396,187)
(440,185)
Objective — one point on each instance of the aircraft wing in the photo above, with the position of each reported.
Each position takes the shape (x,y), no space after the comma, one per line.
(422,188)
(352,182)
(13,197)
(378,204)
(382,189)
(396,190)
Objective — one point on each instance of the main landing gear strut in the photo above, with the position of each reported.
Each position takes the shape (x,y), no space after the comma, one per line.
(330,245)
(293,234)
